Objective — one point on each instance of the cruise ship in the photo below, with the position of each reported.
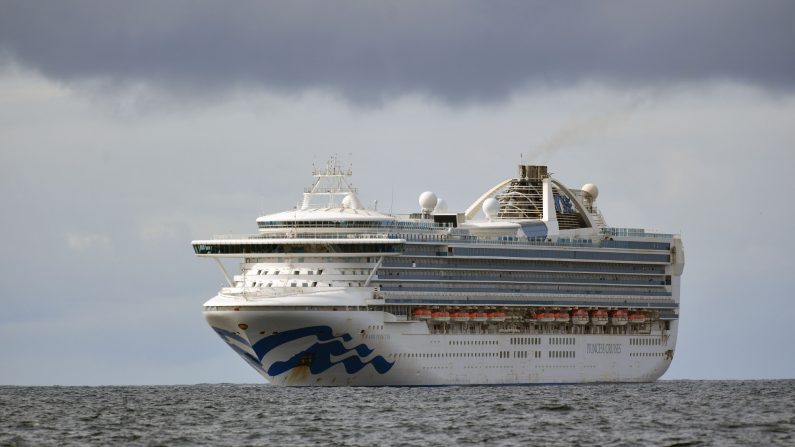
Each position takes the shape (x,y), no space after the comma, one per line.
(528,285)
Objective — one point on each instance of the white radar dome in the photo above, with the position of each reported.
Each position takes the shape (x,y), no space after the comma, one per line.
(591,190)
(491,207)
(428,201)
(441,206)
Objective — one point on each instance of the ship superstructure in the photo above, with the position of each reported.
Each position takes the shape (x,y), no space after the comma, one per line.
(538,290)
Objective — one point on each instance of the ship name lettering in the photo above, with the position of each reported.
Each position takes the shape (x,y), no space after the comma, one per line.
(603,348)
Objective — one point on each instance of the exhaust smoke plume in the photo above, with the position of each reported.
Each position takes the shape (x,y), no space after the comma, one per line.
(586,129)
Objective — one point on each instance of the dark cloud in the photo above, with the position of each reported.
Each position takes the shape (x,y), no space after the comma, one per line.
(456,51)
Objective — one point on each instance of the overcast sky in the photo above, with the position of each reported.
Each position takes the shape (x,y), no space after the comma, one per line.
(129,128)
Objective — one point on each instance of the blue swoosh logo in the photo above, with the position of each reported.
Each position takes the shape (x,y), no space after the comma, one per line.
(318,355)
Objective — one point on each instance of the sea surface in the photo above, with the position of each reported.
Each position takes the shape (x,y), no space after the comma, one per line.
(669,413)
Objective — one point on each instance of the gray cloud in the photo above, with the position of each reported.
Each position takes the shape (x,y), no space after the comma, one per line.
(455,51)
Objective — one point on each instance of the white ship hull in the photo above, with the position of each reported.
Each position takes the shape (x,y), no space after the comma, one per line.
(539,291)
(372,348)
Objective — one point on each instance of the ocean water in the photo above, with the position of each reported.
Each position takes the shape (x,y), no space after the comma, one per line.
(672,413)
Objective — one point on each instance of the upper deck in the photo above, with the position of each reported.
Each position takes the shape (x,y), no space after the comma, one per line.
(531,216)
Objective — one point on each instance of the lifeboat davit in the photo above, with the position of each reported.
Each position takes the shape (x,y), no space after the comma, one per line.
(579,316)
(561,317)
(599,317)
(422,314)
(441,317)
(461,317)
(637,318)
(530,317)
(497,317)
(618,317)
(545,317)
(479,317)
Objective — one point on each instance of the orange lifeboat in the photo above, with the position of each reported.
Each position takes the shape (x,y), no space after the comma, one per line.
(440,316)
(545,317)
(461,317)
(599,317)
(422,314)
(618,317)
(561,317)
(479,317)
(637,318)
(497,317)
(579,316)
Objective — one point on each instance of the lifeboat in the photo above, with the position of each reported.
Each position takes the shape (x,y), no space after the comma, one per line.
(441,317)
(497,317)
(637,318)
(545,317)
(479,317)
(599,317)
(579,316)
(561,317)
(618,317)
(461,317)
(422,314)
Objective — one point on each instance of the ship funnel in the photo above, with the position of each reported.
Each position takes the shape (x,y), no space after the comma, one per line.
(532,172)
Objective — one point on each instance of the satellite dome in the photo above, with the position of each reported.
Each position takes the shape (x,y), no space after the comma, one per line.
(441,206)
(491,207)
(428,201)
(591,190)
